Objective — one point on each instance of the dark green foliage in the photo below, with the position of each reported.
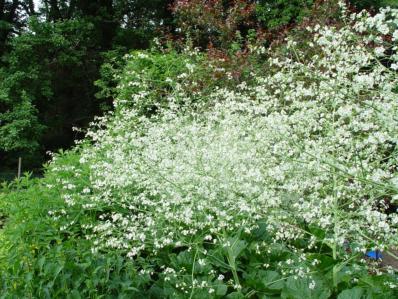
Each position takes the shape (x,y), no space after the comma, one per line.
(129,23)
(13,17)
(46,86)
(273,14)
(48,70)
(20,128)
(373,4)
(110,71)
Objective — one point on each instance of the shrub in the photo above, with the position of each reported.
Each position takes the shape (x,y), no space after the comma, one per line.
(274,14)
(152,80)
(150,77)
(214,21)
(219,22)
(273,189)
(304,151)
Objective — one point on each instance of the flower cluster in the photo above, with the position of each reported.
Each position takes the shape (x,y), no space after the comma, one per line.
(311,145)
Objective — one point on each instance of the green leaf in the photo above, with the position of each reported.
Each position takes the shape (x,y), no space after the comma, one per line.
(272,280)
(235,295)
(325,262)
(237,246)
(317,232)
(300,288)
(375,286)
(344,275)
(261,233)
(354,293)
(74,295)
(221,290)
(265,280)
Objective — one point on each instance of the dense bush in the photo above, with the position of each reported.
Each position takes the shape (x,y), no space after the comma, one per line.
(149,80)
(274,14)
(214,21)
(271,188)
(150,77)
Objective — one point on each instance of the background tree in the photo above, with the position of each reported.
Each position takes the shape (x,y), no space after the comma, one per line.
(49,66)
(13,18)
(373,4)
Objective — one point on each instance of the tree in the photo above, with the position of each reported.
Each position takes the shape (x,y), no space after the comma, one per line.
(13,18)
(48,72)
(46,85)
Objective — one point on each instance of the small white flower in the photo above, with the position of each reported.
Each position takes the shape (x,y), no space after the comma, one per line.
(394,66)
(395,35)
(379,51)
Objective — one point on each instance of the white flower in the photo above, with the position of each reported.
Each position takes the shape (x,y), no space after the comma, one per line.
(394,66)
(379,51)
(142,55)
(383,28)
(395,35)
(299,144)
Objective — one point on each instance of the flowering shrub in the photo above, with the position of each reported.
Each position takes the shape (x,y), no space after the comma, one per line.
(276,188)
(149,76)
(310,147)
(151,80)
(326,123)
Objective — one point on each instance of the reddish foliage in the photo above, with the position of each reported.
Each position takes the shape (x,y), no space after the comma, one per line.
(213,24)
(214,21)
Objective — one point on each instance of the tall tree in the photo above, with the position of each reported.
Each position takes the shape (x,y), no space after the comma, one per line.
(13,18)
(47,74)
